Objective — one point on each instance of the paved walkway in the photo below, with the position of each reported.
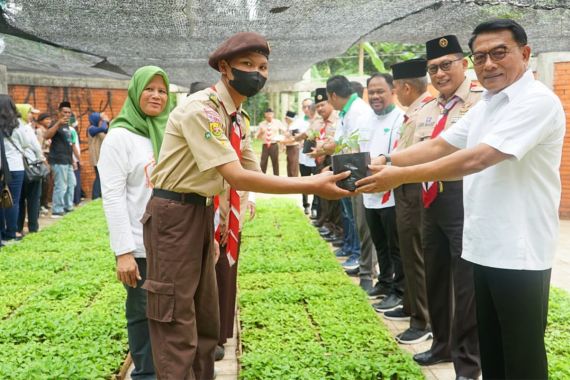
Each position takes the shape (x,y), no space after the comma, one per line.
(228,368)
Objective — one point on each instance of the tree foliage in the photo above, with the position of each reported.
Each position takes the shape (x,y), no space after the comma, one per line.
(378,57)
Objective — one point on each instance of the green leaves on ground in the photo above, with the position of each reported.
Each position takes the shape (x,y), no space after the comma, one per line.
(301,317)
(61,307)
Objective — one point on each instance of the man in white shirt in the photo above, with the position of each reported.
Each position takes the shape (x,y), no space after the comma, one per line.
(352,110)
(509,146)
(378,135)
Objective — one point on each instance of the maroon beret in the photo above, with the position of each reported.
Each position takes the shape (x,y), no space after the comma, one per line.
(239,43)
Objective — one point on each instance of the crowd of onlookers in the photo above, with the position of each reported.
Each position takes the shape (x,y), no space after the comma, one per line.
(41,164)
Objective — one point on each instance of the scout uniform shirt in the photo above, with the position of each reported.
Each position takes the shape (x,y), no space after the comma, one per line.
(277,130)
(429,114)
(408,128)
(196,142)
(325,128)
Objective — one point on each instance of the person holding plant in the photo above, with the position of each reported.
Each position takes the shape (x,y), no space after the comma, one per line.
(352,109)
(125,163)
(205,148)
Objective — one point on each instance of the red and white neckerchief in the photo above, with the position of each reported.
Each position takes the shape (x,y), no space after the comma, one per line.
(323,130)
(268,136)
(430,189)
(234,212)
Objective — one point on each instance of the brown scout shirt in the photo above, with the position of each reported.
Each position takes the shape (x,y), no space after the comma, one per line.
(196,142)
(278,128)
(318,122)
(408,128)
(428,115)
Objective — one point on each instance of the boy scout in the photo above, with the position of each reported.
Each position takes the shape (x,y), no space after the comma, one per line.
(204,147)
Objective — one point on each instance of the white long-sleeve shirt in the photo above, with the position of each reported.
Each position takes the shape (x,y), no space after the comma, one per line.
(21,141)
(125,164)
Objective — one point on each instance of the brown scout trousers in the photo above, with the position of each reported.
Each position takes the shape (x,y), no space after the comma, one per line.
(182,306)
(271,151)
(292,160)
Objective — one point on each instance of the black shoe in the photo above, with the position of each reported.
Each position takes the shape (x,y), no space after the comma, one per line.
(352,272)
(397,315)
(378,291)
(389,303)
(366,285)
(219,353)
(332,237)
(413,336)
(316,224)
(324,231)
(337,243)
(427,358)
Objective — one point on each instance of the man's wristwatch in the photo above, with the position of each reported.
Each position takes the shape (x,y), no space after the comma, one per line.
(387,158)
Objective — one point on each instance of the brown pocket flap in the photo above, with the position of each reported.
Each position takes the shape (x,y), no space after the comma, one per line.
(145,217)
(159,287)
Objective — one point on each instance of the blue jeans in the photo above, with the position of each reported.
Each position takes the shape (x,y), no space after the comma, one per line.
(63,187)
(10,219)
(351,240)
(30,202)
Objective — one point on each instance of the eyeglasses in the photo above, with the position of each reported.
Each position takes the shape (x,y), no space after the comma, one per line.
(495,54)
(444,66)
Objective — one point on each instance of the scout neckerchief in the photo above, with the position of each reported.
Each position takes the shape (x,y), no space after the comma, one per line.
(234,214)
(430,189)
(323,130)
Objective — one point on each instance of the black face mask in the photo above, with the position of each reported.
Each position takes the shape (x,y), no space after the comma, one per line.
(247,83)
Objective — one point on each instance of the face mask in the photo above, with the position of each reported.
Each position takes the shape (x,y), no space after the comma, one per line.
(247,83)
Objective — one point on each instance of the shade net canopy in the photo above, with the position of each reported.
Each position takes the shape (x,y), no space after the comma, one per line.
(112,38)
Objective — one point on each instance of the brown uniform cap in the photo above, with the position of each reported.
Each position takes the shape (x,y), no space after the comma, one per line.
(239,43)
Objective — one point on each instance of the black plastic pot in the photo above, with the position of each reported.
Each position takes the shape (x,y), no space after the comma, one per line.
(357,163)
(308,146)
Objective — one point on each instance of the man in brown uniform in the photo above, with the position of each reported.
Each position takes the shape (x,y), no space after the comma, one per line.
(204,147)
(410,86)
(449,278)
(321,131)
(269,132)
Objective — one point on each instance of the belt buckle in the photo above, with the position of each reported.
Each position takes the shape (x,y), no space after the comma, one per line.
(208,201)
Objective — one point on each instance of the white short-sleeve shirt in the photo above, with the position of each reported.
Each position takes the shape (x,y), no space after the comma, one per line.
(511,209)
(378,135)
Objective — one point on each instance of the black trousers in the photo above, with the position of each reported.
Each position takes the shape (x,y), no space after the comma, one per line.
(449,282)
(384,234)
(305,172)
(512,308)
(271,151)
(408,220)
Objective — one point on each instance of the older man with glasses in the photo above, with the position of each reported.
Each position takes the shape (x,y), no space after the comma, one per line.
(449,278)
(509,147)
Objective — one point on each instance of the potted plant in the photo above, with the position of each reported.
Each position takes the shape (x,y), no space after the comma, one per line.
(344,159)
(310,141)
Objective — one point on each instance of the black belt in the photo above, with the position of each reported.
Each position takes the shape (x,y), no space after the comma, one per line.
(182,197)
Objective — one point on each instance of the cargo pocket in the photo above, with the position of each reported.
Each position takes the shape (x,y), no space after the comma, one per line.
(160,301)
